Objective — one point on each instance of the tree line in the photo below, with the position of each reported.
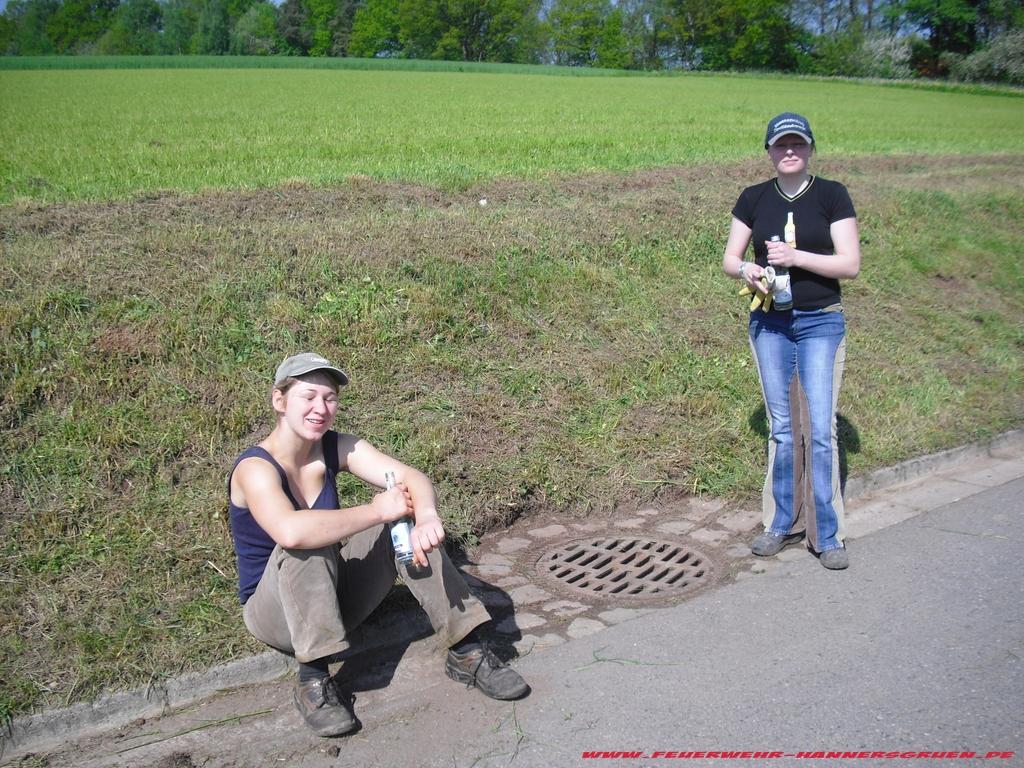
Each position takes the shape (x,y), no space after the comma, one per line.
(962,39)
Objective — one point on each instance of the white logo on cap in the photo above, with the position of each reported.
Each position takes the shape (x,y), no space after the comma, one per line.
(789,123)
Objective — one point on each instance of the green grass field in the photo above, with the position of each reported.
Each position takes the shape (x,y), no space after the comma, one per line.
(117,133)
(570,348)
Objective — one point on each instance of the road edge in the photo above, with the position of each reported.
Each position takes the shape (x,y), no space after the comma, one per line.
(52,728)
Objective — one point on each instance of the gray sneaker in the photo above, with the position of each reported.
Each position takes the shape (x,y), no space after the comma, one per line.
(325,708)
(835,559)
(480,668)
(770,543)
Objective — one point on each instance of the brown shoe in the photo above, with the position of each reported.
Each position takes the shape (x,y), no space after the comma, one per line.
(479,667)
(325,708)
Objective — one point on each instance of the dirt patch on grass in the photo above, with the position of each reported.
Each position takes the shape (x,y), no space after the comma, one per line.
(301,202)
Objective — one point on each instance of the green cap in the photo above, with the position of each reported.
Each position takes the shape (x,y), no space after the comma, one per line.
(307,362)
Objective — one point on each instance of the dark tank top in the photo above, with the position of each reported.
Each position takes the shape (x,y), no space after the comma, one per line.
(253,545)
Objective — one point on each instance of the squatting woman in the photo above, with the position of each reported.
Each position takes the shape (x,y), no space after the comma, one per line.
(310,571)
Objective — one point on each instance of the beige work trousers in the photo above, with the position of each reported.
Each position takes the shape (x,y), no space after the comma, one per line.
(309,600)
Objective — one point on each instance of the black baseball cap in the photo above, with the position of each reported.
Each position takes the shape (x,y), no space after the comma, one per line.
(788,122)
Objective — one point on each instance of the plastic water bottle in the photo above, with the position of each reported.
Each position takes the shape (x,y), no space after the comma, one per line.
(401,530)
(782,296)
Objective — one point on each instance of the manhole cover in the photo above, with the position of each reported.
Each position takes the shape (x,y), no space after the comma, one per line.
(626,567)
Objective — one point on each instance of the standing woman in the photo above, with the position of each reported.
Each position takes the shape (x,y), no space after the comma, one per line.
(800,352)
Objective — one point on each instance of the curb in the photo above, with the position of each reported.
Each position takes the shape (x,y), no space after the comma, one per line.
(53,728)
(913,469)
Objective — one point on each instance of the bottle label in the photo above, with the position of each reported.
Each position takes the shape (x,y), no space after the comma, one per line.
(401,541)
(401,530)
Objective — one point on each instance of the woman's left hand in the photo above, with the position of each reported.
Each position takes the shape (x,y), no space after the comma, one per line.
(427,535)
(780,254)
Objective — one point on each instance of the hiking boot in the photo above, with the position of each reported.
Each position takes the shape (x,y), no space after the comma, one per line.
(835,559)
(325,708)
(770,543)
(481,668)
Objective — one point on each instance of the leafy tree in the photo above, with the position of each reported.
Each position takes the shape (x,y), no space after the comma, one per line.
(238,8)
(8,32)
(836,53)
(320,14)
(856,54)
(576,27)
(748,34)
(255,34)
(494,30)
(530,37)
(422,30)
(998,17)
(460,30)
(341,26)
(293,26)
(823,17)
(849,37)
(1000,62)
(135,29)
(948,25)
(181,20)
(26,24)
(693,22)
(648,28)
(484,30)
(78,24)
(375,30)
(613,48)
(884,55)
(213,28)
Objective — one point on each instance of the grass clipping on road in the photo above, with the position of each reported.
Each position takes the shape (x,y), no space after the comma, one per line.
(570,347)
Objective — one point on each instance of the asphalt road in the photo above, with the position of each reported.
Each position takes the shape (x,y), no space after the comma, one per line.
(916,648)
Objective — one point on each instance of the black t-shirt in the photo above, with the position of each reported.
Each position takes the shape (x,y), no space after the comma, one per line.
(764,208)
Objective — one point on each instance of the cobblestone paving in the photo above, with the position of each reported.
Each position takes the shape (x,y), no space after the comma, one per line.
(534,611)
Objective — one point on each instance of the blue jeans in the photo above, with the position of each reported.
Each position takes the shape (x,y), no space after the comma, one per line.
(800,356)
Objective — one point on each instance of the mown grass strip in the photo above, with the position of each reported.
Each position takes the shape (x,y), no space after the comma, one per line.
(98,134)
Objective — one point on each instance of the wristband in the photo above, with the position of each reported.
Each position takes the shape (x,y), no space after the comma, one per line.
(743,267)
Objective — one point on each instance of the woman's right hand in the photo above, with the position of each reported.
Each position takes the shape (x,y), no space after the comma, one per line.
(752,277)
(393,504)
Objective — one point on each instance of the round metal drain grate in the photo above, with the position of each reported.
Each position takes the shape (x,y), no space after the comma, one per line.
(626,567)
